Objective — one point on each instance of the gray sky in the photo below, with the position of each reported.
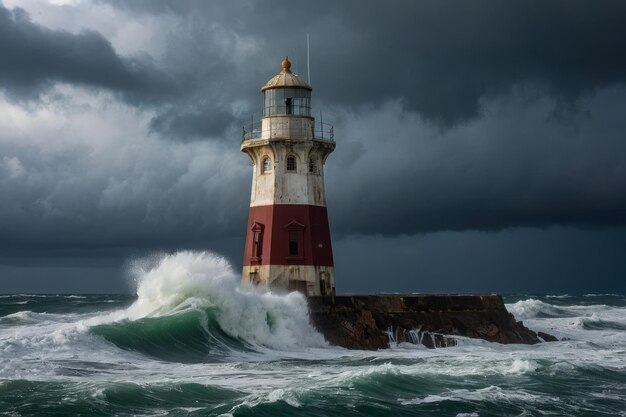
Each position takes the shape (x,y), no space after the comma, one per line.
(480,145)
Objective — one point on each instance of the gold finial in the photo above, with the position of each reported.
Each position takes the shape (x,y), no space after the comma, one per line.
(286,64)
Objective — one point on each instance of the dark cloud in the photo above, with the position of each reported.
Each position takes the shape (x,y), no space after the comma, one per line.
(196,122)
(34,57)
(449,116)
(440,58)
(108,183)
(513,167)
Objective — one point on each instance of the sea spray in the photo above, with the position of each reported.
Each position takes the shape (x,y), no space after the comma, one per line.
(189,280)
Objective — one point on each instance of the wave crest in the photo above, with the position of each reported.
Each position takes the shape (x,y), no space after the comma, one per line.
(533,308)
(204,283)
(596,322)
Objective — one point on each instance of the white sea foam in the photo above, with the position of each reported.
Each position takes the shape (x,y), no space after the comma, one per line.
(31,317)
(532,308)
(598,324)
(352,375)
(290,396)
(602,295)
(492,393)
(24,315)
(521,366)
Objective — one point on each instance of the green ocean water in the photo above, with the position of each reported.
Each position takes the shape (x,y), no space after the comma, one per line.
(191,343)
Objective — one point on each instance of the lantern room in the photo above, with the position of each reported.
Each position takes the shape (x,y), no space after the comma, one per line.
(286,94)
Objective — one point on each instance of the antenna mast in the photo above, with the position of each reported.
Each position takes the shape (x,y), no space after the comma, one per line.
(308,60)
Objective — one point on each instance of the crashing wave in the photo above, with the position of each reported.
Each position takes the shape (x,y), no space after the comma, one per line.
(190,303)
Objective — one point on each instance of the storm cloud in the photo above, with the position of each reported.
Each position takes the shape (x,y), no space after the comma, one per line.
(35,57)
(439,58)
(511,167)
(120,122)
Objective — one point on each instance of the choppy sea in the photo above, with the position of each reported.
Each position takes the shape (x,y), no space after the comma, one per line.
(192,343)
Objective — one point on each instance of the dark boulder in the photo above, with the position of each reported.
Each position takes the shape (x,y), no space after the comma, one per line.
(376,321)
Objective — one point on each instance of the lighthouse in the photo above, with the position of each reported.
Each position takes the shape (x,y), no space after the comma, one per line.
(288,246)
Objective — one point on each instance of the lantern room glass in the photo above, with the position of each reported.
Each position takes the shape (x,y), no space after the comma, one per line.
(287,101)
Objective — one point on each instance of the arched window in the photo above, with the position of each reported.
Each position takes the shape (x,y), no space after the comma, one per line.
(311,166)
(295,238)
(257,241)
(267,164)
(291,163)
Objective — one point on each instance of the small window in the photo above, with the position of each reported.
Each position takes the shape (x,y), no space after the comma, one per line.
(267,164)
(293,243)
(291,163)
(311,166)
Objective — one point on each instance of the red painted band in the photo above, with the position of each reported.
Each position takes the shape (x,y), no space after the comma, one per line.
(270,229)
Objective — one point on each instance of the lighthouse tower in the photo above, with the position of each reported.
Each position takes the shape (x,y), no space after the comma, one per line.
(288,244)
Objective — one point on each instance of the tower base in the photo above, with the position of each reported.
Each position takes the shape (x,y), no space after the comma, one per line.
(310,280)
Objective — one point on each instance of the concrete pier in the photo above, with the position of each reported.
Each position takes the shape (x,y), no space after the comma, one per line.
(374,321)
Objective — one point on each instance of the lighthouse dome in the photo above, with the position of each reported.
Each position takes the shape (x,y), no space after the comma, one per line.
(286,79)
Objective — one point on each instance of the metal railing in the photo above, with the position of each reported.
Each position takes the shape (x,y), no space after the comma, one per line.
(318,131)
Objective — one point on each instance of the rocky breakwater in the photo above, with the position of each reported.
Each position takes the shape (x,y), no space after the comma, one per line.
(376,321)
